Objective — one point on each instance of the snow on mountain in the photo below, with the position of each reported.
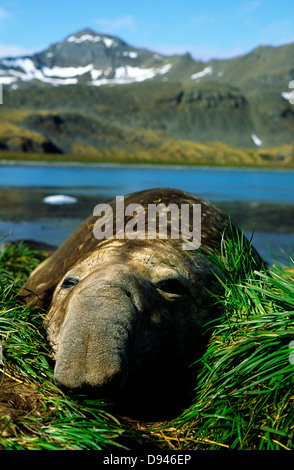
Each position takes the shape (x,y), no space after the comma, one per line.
(87,57)
(7,80)
(206,71)
(83,38)
(289,95)
(66,72)
(132,55)
(95,59)
(256,140)
(130,74)
(89,37)
(25,70)
(69,75)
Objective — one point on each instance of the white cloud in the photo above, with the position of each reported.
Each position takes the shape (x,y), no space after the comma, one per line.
(4,14)
(114,25)
(12,50)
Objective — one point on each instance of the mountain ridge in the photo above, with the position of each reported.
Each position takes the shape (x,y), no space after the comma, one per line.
(94,58)
(95,91)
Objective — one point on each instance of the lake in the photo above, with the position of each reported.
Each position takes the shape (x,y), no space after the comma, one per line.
(256,198)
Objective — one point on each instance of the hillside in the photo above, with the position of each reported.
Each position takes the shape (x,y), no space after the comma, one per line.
(95,93)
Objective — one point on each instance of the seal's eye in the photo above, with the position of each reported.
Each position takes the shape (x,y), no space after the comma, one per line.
(171,286)
(69,282)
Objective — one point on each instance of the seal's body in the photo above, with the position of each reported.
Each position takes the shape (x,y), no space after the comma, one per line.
(126,316)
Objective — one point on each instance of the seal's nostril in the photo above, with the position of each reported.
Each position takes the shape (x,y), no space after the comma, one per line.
(111,387)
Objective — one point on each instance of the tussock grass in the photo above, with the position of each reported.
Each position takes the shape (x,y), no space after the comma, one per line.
(145,147)
(244,398)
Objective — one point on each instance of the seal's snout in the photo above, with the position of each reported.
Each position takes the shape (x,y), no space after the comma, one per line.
(91,360)
(96,385)
(92,355)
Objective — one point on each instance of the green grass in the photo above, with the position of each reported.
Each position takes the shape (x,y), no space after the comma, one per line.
(171,152)
(244,397)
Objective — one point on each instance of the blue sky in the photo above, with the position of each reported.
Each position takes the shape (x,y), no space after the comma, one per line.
(207,29)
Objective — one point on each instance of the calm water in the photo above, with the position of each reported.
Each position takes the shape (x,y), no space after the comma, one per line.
(214,184)
(264,198)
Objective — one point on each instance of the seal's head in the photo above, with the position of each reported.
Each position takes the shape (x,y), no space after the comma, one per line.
(130,317)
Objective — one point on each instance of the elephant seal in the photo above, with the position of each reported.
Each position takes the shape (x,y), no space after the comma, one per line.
(125,316)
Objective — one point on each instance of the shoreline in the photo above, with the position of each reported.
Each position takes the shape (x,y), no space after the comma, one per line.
(75,164)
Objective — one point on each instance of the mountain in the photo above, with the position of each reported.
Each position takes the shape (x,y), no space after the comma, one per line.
(93,59)
(94,92)
(98,59)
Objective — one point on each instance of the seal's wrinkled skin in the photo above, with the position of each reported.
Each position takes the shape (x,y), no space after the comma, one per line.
(125,317)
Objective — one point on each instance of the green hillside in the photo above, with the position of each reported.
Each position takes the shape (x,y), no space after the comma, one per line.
(162,119)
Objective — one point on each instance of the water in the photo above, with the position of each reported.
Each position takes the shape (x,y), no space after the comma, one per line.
(218,184)
(264,198)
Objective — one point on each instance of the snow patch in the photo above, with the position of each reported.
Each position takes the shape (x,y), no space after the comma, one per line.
(59,199)
(27,65)
(66,72)
(85,37)
(24,69)
(133,73)
(131,54)
(30,72)
(95,74)
(256,140)
(89,37)
(128,74)
(289,95)
(206,71)
(164,69)
(7,80)
(109,42)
